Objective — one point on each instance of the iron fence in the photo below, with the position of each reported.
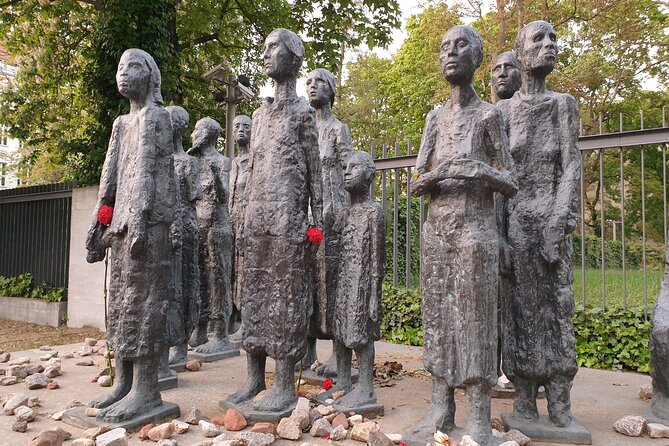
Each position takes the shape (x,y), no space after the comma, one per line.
(614,201)
(35,232)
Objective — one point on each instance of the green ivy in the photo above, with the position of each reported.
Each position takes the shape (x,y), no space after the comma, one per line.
(614,339)
(24,286)
(402,323)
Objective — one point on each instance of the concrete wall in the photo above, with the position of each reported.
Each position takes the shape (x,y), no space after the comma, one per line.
(34,311)
(85,283)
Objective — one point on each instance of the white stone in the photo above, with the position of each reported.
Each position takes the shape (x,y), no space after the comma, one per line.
(13,402)
(58,416)
(517,436)
(339,433)
(289,429)
(105,381)
(468,441)
(395,438)
(655,430)
(209,429)
(180,427)
(168,442)
(509,443)
(37,381)
(24,413)
(115,437)
(630,425)
(355,419)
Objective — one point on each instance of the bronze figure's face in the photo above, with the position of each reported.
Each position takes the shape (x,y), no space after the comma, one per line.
(358,172)
(537,48)
(506,75)
(133,75)
(241,127)
(283,54)
(461,54)
(319,88)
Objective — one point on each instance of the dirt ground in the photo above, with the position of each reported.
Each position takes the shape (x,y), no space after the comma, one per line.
(15,336)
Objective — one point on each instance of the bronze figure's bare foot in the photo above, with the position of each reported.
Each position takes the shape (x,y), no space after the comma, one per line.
(129,407)
(275,401)
(246,394)
(213,346)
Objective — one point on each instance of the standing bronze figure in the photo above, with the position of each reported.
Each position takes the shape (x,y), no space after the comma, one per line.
(215,254)
(335,146)
(284,183)
(138,182)
(538,335)
(239,173)
(462,141)
(357,319)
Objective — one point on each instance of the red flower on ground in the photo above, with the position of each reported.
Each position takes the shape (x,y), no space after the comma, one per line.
(326,437)
(401,443)
(105,215)
(327,384)
(315,236)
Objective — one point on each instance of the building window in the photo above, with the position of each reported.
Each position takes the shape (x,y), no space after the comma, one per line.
(3,136)
(3,174)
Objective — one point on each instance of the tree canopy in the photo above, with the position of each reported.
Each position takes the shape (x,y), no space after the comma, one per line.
(64,99)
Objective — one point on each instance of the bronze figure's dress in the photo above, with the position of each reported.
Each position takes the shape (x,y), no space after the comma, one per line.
(285,173)
(238,176)
(139,159)
(185,307)
(539,342)
(361,270)
(334,143)
(459,276)
(215,234)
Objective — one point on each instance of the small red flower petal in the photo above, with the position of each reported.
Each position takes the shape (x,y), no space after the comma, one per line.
(326,437)
(327,384)
(314,235)
(105,214)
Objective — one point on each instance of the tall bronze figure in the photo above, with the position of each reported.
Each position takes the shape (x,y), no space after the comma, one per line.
(539,342)
(335,146)
(239,173)
(462,141)
(186,309)
(284,183)
(216,242)
(357,319)
(137,182)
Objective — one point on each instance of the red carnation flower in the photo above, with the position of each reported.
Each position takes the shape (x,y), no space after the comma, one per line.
(327,383)
(105,215)
(315,236)
(402,443)
(326,437)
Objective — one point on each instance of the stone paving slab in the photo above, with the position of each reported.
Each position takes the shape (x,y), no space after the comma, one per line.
(599,398)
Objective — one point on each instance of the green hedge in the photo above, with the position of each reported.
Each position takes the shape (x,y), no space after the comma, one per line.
(24,286)
(614,339)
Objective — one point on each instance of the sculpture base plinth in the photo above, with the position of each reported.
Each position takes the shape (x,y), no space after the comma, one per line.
(313,378)
(366,410)
(168,382)
(427,437)
(179,366)
(253,415)
(166,411)
(545,431)
(212,357)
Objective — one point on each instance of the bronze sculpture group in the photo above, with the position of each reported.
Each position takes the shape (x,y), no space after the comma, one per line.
(502,186)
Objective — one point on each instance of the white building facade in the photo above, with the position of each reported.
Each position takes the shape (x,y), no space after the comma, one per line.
(9,148)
